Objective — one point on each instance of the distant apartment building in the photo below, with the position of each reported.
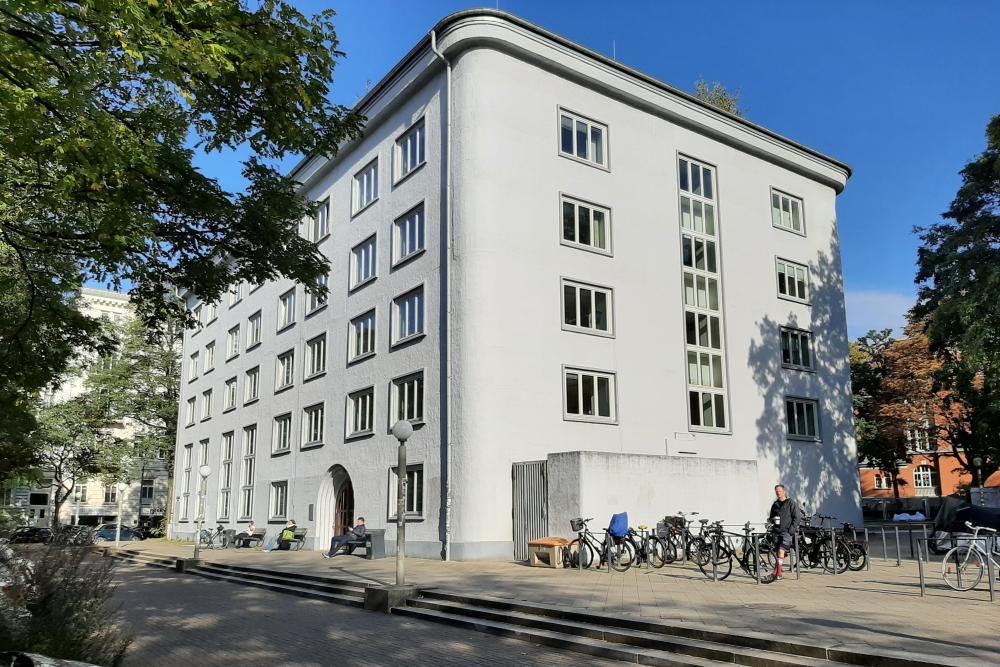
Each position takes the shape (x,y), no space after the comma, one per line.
(588,291)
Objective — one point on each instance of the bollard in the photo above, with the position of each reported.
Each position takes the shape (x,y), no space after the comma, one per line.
(910,532)
(795,546)
(833,546)
(579,551)
(756,555)
(990,546)
(896,530)
(923,528)
(607,549)
(920,569)
(868,552)
(715,563)
(684,547)
(885,549)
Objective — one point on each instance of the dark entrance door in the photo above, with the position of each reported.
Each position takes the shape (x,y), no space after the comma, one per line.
(344,515)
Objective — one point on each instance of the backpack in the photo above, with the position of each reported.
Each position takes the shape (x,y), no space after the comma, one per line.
(619,525)
(288,534)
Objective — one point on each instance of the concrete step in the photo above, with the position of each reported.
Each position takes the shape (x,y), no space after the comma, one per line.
(145,559)
(288,589)
(332,586)
(301,576)
(639,639)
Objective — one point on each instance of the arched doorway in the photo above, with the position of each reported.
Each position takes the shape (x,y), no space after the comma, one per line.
(334,506)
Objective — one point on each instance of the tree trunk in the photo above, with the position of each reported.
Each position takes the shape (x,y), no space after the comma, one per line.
(895,485)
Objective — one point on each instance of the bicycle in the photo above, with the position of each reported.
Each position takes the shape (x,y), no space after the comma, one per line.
(648,547)
(969,561)
(726,553)
(619,553)
(816,549)
(680,541)
(213,540)
(857,548)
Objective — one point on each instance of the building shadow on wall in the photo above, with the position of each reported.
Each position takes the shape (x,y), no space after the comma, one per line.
(822,475)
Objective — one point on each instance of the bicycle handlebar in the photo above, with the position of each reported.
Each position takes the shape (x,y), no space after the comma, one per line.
(979,528)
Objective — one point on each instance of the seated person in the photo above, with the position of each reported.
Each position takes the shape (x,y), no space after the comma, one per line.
(243,539)
(338,543)
(283,542)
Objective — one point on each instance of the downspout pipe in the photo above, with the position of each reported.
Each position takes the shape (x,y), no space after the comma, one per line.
(446,273)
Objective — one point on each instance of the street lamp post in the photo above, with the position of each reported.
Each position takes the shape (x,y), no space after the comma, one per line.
(203,471)
(121,486)
(978,462)
(401,430)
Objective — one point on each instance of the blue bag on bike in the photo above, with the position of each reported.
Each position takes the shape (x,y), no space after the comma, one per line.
(619,525)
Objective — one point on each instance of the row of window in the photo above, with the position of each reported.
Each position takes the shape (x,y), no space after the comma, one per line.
(110,493)
(408,156)
(924,477)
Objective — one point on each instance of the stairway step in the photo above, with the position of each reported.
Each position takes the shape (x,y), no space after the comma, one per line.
(145,560)
(278,577)
(637,638)
(586,645)
(339,581)
(284,588)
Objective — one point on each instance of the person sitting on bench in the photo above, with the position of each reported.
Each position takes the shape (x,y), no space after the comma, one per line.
(285,537)
(243,539)
(338,543)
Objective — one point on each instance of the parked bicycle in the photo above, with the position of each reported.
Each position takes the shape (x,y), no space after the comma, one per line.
(726,552)
(213,539)
(648,547)
(963,565)
(858,548)
(817,550)
(680,542)
(616,552)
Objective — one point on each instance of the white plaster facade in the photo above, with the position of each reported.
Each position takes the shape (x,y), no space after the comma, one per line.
(494,346)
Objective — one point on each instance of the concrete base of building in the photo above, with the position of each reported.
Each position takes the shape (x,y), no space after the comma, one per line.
(384,598)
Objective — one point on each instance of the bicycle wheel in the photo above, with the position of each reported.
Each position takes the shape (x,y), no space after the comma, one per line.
(723,561)
(575,551)
(859,556)
(656,552)
(749,565)
(621,555)
(834,559)
(962,568)
(697,551)
(671,548)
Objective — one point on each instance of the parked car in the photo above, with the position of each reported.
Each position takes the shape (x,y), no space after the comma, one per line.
(30,535)
(106,533)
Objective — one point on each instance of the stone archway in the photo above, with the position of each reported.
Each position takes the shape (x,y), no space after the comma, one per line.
(334,506)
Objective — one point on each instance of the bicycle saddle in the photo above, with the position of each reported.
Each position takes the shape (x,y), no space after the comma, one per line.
(643,527)
(703,521)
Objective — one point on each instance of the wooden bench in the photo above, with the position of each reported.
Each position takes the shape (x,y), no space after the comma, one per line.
(256,538)
(373,543)
(299,539)
(547,551)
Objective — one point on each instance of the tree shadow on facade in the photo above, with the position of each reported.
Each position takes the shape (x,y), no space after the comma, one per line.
(822,474)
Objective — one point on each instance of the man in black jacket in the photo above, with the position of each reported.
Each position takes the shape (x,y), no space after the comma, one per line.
(338,543)
(786,511)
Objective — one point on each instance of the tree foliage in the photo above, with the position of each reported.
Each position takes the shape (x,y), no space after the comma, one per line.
(718,96)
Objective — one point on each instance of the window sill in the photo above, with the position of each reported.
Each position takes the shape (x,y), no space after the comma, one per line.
(278,519)
(231,357)
(409,258)
(192,379)
(283,389)
(804,438)
(251,347)
(588,332)
(325,236)
(189,424)
(205,419)
(316,310)
(282,452)
(310,378)
(285,327)
(208,370)
(581,160)
(409,339)
(408,518)
(229,409)
(311,445)
(589,420)
(586,248)
(360,358)
(790,231)
(358,286)
(359,435)
(364,208)
(793,367)
(236,303)
(251,401)
(785,297)
(415,423)
(405,177)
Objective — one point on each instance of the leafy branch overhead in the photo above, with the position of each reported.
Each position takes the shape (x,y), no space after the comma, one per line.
(718,96)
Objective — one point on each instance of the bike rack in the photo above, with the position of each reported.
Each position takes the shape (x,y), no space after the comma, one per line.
(991,546)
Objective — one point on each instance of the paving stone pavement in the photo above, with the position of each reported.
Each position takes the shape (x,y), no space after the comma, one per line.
(183,621)
(880,608)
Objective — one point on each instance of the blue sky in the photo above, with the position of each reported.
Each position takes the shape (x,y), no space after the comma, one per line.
(900,90)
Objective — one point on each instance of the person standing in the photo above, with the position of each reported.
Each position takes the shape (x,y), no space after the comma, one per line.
(786,517)
(338,543)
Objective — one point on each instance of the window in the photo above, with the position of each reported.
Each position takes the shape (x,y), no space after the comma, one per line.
(193,366)
(408,315)
(285,373)
(146,490)
(786,212)
(282,438)
(586,225)
(366,186)
(233,342)
(408,235)
(702,291)
(410,150)
(312,425)
(414,490)
(211,312)
(253,330)
(190,413)
(918,438)
(279,500)
(209,356)
(408,398)
(235,294)
(251,388)
(316,356)
(248,472)
(197,317)
(206,404)
(319,224)
(793,280)
(316,299)
(203,452)
(362,336)
(286,309)
(361,412)
(802,418)
(587,308)
(363,262)
(589,395)
(582,139)
(925,477)
(111,493)
(229,399)
(82,489)
(226,474)
(186,504)
(883,482)
(796,349)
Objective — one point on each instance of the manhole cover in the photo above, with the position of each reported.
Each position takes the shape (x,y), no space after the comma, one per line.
(769,605)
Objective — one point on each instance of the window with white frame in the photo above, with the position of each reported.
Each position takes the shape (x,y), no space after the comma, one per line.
(786,212)
(229,400)
(366,186)
(313,418)
(408,398)
(110,493)
(235,293)
(193,366)
(206,404)
(202,460)
(589,395)
(248,471)
(882,482)
(318,299)
(253,330)
(414,491)
(802,418)
(284,375)
(279,500)
(186,499)
(587,308)
(793,280)
(191,413)
(209,356)
(361,412)
(198,318)
(796,349)
(211,312)
(233,342)
(363,262)
(918,438)
(702,291)
(319,224)
(408,234)
(362,336)
(226,474)
(408,315)
(585,225)
(146,489)
(286,309)
(316,356)
(582,138)
(281,440)
(410,150)
(251,386)
(925,477)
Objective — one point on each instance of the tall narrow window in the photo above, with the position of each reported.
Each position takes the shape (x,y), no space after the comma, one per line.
(229,400)
(361,412)
(408,235)
(320,221)
(233,342)
(248,472)
(408,398)
(582,139)
(589,395)
(193,366)
(408,315)
(363,262)
(186,501)
(209,356)
(285,370)
(235,293)
(253,330)
(796,349)
(587,308)
(802,419)
(191,412)
(786,212)
(585,225)
(366,186)
(410,150)
(362,336)
(414,491)
(225,474)
(286,309)
(313,418)
(206,404)
(316,356)
(318,298)
(252,385)
(793,280)
(279,499)
(281,440)
(702,292)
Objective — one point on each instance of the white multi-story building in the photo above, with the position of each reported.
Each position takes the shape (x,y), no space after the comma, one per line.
(589,291)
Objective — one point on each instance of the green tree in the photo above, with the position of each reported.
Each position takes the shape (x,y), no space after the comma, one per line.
(959,283)
(718,96)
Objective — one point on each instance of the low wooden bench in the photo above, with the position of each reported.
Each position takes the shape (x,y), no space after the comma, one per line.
(547,551)
(299,539)
(256,538)
(373,543)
